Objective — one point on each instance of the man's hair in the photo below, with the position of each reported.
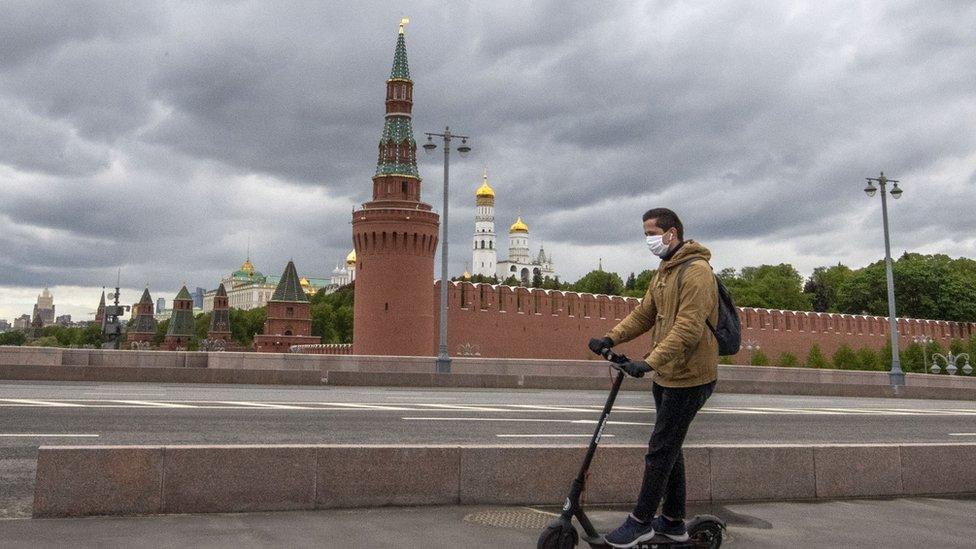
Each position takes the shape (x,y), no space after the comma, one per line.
(666,220)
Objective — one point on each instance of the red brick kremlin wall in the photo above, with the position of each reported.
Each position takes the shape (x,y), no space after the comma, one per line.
(506,322)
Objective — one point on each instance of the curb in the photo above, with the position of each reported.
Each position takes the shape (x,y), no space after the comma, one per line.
(138,480)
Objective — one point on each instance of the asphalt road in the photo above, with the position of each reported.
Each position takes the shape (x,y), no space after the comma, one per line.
(35,413)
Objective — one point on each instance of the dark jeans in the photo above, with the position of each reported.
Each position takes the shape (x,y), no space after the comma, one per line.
(664,465)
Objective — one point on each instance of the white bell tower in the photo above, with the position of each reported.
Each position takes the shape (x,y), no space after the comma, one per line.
(484,253)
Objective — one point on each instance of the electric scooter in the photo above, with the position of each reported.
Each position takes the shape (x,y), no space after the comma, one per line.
(704,531)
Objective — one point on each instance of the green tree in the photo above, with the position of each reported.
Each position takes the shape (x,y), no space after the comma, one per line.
(44,341)
(641,283)
(926,286)
(770,286)
(912,358)
(332,315)
(759,358)
(244,324)
(160,336)
(868,359)
(512,281)
(822,287)
(536,280)
(600,282)
(816,358)
(788,360)
(631,282)
(845,359)
(16,338)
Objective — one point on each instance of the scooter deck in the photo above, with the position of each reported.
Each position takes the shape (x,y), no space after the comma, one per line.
(657,542)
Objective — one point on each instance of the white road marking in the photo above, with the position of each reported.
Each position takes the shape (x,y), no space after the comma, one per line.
(260,405)
(354,406)
(31,402)
(464,407)
(523,420)
(962,434)
(552,436)
(152,404)
(32,435)
(539,407)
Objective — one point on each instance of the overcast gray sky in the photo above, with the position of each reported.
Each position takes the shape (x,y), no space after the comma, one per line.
(160,137)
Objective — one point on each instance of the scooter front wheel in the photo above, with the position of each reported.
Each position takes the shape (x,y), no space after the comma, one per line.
(559,534)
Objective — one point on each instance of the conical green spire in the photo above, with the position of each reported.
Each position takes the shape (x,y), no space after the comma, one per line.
(183,294)
(146,298)
(400,67)
(181,321)
(289,287)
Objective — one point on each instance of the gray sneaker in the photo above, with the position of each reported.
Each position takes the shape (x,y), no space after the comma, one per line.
(630,533)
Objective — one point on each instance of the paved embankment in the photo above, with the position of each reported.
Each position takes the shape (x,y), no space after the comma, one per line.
(892,523)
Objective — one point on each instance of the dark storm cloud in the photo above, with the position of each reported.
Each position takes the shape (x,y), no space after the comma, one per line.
(165,136)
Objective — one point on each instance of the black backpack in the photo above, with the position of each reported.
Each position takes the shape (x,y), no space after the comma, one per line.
(728,333)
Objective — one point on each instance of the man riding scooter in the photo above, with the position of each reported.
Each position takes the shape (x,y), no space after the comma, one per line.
(680,305)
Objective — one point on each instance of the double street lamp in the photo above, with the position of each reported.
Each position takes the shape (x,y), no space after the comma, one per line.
(897,376)
(443,360)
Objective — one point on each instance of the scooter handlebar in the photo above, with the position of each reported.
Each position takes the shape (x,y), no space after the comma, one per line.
(615,359)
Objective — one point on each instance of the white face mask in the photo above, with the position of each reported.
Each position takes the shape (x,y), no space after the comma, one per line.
(655,243)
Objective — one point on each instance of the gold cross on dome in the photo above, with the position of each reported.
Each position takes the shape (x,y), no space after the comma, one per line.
(403,22)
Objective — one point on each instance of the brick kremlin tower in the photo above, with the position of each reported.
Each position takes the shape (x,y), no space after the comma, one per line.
(395,236)
(220,318)
(289,319)
(143,328)
(181,324)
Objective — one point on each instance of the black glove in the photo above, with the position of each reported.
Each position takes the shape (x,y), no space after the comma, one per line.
(598,345)
(635,368)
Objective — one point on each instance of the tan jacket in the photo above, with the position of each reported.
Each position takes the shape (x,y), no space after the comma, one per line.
(683,353)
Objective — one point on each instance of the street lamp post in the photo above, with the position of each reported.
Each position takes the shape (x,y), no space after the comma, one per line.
(924,341)
(897,376)
(443,359)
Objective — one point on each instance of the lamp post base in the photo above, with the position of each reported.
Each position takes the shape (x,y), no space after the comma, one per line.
(897,379)
(443,365)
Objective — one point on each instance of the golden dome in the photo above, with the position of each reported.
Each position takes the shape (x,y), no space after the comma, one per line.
(303,282)
(485,193)
(351,258)
(247,266)
(466,275)
(519,226)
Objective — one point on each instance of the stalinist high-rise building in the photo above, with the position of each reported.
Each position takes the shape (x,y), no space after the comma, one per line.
(44,308)
(395,237)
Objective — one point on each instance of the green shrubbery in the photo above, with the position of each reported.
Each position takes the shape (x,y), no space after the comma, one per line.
(788,360)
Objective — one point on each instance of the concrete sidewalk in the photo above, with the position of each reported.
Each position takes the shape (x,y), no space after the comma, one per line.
(919,522)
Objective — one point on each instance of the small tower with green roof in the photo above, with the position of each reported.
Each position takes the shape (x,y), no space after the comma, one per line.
(220,317)
(181,323)
(289,317)
(143,327)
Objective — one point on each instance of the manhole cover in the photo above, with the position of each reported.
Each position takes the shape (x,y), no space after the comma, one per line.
(511,518)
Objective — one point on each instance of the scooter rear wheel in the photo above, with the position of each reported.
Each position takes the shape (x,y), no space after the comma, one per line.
(559,534)
(708,534)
